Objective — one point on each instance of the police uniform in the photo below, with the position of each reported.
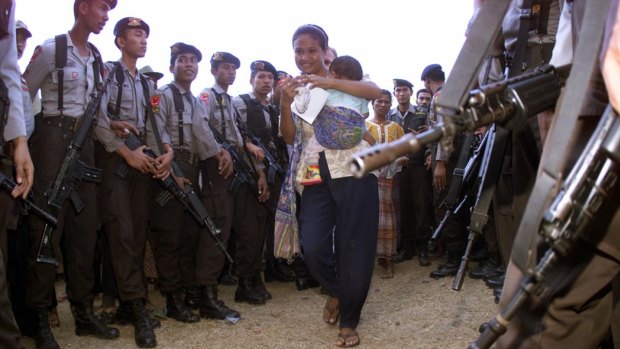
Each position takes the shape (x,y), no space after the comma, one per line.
(240,210)
(55,129)
(13,127)
(124,197)
(262,120)
(414,186)
(181,245)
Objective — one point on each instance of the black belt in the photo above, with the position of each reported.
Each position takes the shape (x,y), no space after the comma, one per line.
(185,156)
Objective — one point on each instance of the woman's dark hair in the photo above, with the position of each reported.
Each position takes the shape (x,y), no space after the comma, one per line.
(347,67)
(385,92)
(313,31)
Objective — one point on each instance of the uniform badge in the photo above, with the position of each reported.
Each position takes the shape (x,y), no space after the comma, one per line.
(155,103)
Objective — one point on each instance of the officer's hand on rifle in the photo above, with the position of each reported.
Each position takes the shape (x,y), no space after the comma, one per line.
(256,151)
(224,163)
(163,163)
(24,169)
(140,161)
(122,128)
(439,176)
(263,187)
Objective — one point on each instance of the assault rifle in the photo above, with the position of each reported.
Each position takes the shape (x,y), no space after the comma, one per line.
(186,195)
(504,102)
(72,172)
(585,191)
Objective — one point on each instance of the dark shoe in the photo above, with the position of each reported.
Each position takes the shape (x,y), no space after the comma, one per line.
(143,331)
(124,316)
(405,254)
(176,308)
(192,297)
(213,308)
(278,270)
(260,287)
(86,323)
(43,336)
(496,282)
(450,268)
(424,259)
(248,292)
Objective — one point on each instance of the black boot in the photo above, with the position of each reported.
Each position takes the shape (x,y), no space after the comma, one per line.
(143,331)
(449,268)
(248,292)
(260,287)
(124,316)
(277,270)
(192,297)
(303,279)
(176,308)
(43,336)
(213,308)
(86,323)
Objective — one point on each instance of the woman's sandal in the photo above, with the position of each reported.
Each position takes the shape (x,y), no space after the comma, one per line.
(348,340)
(331,311)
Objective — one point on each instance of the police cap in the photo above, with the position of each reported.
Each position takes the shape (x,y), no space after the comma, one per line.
(19,25)
(432,68)
(180,48)
(402,82)
(148,71)
(224,57)
(130,23)
(257,66)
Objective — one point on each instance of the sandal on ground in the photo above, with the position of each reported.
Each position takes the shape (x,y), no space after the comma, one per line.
(347,340)
(331,311)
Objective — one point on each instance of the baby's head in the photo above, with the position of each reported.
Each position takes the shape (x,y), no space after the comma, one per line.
(346,68)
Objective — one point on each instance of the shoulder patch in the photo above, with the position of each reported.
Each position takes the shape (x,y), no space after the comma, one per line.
(155,99)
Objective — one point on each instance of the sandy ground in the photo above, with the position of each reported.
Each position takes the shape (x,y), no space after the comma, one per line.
(409,311)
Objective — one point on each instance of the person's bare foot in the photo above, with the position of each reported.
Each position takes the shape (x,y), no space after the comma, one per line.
(331,311)
(347,338)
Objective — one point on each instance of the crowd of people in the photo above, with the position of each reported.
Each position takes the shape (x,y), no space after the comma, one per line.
(239,190)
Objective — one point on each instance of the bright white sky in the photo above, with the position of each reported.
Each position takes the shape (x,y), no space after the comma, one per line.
(391,38)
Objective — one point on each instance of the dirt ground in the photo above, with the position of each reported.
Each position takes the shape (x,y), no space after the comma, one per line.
(409,311)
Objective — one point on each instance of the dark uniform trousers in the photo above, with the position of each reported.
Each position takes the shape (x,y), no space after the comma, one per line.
(416,198)
(240,211)
(9,332)
(125,203)
(352,207)
(176,234)
(48,148)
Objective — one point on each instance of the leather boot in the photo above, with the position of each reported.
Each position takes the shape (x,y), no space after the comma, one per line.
(248,292)
(213,308)
(124,316)
(303,279)
(86,323)
(277,270)
(143,331)
(192,297)
(260,287)
(176,308)
(43,336)
(449,268)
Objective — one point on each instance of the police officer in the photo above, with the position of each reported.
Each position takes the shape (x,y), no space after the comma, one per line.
(260,117)
(13,131)
(179,241)
(54,131)
(125,189)
(415,187)
(238,210)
